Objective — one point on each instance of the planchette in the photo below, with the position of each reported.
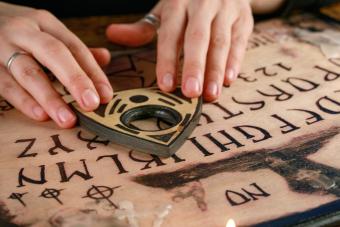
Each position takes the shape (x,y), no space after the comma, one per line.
(115,120)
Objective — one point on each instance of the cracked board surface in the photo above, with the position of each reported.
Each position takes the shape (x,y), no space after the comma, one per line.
(267,152)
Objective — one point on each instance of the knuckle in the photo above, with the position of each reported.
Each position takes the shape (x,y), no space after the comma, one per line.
(174,4)
(76,78)
(241,36)
(43,14)
(15,23)
(51,100)
(52,47)
(166,38)
(198,35)
(194,67)
(215,71)
(74,48)
(6,87)
(227,5)
(30,72)
(165,65)
(241,39)
(220,41)
(203,4)
(76,81)
(78,49)
(26,103)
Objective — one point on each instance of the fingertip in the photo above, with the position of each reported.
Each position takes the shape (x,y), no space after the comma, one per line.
(167,82)
(230,76)
(211,91)
(90,100)
(209,98)
(68,125)
(191,87)
(65,117)
(105,92)
(226,81)
(39,114)
(102,56)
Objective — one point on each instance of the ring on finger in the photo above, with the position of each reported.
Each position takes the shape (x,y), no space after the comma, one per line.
(13,57)
(153,20)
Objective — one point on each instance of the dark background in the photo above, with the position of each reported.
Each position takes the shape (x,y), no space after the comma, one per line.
(79,8)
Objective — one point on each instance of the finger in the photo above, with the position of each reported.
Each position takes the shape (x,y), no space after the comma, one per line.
(19,98)
(170,39)
(102,56)
(196,43)
(241,31)
(217,56)
(136,34)
(53,54)
(81,53)
(32,78)
(132,35)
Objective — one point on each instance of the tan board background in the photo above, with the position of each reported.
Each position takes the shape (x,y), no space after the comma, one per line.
(267,149)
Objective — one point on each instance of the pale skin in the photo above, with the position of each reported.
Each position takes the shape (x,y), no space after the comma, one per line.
(212,34)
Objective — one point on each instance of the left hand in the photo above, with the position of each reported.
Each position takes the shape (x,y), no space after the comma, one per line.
(213,34)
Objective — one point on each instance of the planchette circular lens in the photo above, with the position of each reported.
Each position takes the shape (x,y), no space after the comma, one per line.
(148,113)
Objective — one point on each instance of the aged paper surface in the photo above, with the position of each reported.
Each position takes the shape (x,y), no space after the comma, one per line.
(268,149)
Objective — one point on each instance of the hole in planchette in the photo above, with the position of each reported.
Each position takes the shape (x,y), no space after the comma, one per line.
(151,118)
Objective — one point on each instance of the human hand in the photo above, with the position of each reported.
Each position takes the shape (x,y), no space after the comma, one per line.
(213,34)
(49,42)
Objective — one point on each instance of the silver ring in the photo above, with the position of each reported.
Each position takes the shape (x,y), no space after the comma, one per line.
(13,57)
(152,19)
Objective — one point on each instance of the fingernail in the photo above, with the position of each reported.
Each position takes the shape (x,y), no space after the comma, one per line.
(38,111)
(212,89)
(192,86)
(105,91)
(168,80)
(231,75)
(65,115)
(90,98)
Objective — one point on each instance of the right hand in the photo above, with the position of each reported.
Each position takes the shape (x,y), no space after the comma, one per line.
(50,43)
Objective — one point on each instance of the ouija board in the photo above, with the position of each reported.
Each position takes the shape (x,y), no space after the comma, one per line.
(267,153)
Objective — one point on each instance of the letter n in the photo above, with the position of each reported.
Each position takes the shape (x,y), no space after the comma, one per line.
(22,177)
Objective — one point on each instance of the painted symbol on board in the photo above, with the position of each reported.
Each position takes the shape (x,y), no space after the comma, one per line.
(18,196)
(91,141)
(52,193)
(101,193)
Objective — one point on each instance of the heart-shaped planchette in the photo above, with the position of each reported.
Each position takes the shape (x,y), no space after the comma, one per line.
(115,121)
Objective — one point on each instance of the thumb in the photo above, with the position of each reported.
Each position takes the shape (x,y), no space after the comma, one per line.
(136,34)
